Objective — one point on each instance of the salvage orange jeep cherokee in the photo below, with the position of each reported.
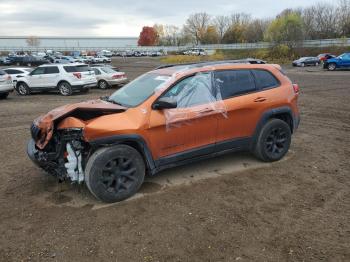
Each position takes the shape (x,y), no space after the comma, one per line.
(165,118)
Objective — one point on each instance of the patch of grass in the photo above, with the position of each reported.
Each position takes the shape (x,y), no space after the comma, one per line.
(278,55)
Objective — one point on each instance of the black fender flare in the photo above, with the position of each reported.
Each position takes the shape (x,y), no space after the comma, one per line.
(132,140)
(267,115)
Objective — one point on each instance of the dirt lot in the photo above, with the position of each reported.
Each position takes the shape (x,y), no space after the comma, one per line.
(294,210)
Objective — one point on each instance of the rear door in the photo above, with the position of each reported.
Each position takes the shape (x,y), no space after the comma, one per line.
(247,94)
(51,76)
(239,94)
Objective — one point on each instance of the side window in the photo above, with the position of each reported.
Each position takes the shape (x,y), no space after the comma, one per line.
(97,72)
(234,82)
(52,70)
(13,71)
(70,69)
(264,79)
(38,71)
(192,91)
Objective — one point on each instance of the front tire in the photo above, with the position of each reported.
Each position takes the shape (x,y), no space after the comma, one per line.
(273,141)
(115,173)
(65,89)
(23,89)
(332,67)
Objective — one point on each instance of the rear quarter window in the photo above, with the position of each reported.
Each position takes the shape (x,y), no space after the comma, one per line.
(265,79)
(2,72)
(74,69)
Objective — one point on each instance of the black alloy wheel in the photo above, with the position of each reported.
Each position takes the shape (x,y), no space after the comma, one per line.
(273,141)
(115,173)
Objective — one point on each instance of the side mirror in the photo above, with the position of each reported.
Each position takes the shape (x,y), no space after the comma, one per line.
(164,103)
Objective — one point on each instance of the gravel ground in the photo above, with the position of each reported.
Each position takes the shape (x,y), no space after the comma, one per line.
(294,210)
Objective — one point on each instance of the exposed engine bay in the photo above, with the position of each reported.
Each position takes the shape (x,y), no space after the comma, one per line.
(58,145)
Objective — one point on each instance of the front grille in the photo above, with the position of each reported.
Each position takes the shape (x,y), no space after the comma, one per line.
(35,132)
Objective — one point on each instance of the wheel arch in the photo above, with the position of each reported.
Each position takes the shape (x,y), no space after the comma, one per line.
(283,113)
(20,82)
(62,81)
(135,141)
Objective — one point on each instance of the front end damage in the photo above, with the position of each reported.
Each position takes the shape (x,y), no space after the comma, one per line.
(64,156)
(58,145)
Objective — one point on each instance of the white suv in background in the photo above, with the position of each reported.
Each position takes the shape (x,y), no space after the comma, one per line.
(66,78)
(6,85)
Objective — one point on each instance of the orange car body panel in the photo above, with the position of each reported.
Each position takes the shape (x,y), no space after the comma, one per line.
(242,115)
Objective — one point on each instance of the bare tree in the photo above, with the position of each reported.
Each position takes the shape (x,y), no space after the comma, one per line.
(343,12)
(171,35)
(33,41)
(196,25)
(221,22)
(240,19)
(255,30)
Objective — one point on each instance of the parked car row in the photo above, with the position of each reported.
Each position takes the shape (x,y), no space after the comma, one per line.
(64,78)
(131,53)
(34,60)
(329,61)
(195,52)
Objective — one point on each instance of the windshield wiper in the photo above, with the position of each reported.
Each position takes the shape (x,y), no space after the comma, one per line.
(116,103)
(107,99)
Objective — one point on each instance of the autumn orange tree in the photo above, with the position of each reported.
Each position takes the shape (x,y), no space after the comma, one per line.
(148,36)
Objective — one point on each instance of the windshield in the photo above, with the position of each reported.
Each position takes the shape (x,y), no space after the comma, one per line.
(139,90)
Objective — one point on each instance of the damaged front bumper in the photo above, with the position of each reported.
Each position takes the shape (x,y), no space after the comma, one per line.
(63,158)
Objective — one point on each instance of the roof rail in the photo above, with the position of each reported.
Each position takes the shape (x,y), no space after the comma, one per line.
(208,63)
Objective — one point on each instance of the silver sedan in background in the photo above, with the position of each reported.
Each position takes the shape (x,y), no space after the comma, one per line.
(107,77)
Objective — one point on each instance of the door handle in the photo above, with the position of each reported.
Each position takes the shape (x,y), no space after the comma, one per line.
(259,99)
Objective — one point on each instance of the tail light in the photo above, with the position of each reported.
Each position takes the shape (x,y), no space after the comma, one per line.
(118,76)
(8,77)
(77,75)
(296,88)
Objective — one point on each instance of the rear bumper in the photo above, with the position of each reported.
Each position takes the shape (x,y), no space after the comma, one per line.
(6,88)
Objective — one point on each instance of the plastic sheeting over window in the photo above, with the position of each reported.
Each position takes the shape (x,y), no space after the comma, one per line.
(196,96)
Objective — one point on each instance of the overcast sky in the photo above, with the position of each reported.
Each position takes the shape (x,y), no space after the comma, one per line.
(119,17)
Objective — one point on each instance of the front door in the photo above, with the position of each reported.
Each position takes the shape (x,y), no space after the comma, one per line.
(190,129)
(345,61)
(35,78)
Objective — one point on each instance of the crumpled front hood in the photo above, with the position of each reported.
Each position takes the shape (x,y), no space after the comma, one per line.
(84,111)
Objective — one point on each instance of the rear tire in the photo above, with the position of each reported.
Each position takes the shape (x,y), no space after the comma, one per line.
(65,89)
(115,173)
(22,89)
(4,95)
(102,84)
(273,141)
